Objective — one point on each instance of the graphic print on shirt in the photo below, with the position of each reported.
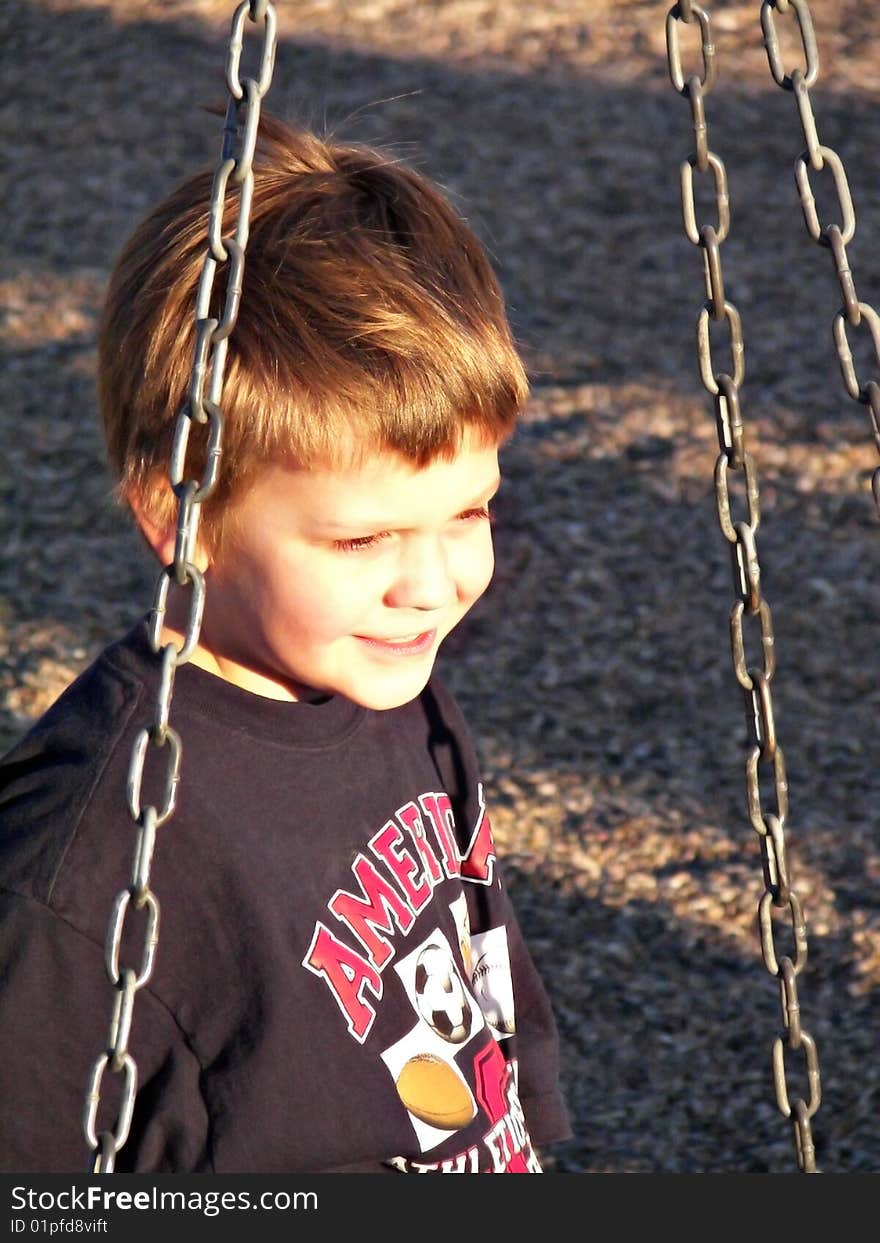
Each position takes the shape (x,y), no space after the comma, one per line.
(394,883)
(492,981)
(424,1063)
(449,996)
(459,912)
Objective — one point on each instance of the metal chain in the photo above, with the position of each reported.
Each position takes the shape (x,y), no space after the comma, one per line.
(212,336)
(750,610)
(835,237)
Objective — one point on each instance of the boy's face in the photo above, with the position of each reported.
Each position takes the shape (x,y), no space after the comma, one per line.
(347,581)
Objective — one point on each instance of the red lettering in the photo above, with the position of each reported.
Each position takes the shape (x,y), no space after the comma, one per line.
(494,1085)
(411,818)
(347,975)
(479,857)
(402,864)
(438,809)
(364,915)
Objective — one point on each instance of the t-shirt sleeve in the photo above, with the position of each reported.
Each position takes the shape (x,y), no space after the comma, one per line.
(55,1007)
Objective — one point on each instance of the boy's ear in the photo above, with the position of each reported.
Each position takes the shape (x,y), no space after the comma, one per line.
(161,536)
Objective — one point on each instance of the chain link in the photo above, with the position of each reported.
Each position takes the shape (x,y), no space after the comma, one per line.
(212,333)
(835,237)
(764,751)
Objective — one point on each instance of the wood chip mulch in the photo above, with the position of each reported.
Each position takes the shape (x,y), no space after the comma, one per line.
(596,674)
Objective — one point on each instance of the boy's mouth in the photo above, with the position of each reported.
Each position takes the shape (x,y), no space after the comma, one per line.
(408,645)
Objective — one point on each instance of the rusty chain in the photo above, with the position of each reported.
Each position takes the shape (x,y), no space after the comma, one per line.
(212,334)
(203,406)
(750,610)
(834,237)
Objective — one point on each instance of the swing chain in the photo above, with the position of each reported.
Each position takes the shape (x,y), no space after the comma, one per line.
(834,237)
(750,606)
(211,337)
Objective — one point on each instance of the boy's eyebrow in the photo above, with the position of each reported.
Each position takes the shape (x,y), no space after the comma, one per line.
(485,495)
(374,523)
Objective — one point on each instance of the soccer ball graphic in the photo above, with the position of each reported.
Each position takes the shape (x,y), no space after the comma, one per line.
(440,995)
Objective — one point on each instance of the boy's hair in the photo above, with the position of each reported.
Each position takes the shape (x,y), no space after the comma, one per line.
(370,320)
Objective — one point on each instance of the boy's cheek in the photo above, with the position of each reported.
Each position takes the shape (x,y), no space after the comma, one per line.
(468,597)
(482,575)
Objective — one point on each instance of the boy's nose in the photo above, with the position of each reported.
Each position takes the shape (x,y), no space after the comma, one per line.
(423,579)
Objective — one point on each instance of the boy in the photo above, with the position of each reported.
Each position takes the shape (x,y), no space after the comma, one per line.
(340,984)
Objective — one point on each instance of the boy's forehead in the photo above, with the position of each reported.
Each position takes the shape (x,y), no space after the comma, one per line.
(350,454)
(350,462)
(383,483)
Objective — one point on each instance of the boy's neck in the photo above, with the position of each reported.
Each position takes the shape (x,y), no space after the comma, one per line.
(222,665)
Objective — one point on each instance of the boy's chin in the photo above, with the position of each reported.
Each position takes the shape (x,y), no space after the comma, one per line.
(384,703)
(385,694)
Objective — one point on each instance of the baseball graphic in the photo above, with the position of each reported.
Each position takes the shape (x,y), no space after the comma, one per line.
(493,989)
(432,1091)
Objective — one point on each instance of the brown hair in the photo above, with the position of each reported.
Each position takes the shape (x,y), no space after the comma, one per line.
(370,320)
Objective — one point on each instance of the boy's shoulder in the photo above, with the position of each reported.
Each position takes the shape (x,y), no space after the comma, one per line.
(87,716)
(70,768)
(49,775)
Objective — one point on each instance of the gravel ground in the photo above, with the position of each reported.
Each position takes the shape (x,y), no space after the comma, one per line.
(596,673)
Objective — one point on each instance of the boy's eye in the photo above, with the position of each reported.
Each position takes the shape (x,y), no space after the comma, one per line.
(470,515)
(358,542)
